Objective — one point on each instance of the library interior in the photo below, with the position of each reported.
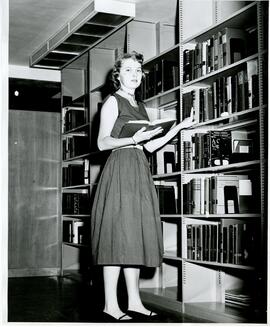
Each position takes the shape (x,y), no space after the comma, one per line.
(202,59)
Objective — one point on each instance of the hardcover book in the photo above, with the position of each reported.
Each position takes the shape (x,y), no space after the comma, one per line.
(132,126)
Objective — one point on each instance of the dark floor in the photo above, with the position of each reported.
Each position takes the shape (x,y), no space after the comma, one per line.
(53,299)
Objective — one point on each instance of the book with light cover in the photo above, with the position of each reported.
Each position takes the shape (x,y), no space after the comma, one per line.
(132,126)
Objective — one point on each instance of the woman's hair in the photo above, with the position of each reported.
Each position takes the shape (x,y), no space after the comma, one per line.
(116,68)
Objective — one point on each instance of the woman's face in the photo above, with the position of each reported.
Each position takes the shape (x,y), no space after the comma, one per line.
(130,74)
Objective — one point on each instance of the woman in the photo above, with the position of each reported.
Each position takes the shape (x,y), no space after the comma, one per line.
(125,226)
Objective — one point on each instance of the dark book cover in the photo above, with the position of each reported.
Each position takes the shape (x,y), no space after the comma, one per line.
(189,241)
(169,70)
(167,200)
(219,148)
(158,77)
(131,127)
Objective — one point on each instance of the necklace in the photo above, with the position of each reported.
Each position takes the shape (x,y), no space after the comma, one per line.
(129,96)
(132,95)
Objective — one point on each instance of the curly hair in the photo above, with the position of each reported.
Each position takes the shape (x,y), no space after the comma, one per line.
(116,68)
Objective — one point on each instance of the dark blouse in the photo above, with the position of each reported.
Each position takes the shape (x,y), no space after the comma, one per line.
(127,112)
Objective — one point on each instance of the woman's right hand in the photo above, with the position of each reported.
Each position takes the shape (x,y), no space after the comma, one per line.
(141,135)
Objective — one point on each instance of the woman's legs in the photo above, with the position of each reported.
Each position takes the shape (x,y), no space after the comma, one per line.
(132,282)
(111,276)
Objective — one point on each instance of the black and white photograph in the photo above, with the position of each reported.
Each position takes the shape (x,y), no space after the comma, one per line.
(134,162)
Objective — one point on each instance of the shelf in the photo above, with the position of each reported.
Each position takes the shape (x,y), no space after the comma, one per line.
(220,265)
(219,312)
(209,78)
(98,88)
(168,52)
(170,216)
(212,216)
(66,108)
(238,19)
(76,245)
(82,156)
(231,116)
(167,299)
(157,96)
(76,186)
(237,124)
(235,166)
(170,255)
(168,175)
(76,129)
(218,216)
(79,134)
(74,216)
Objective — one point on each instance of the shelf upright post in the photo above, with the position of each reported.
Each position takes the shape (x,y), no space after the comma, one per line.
(180,149)
(262,273)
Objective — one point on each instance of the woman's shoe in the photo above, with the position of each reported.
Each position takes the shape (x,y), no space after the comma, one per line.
(138,316)
(109,318)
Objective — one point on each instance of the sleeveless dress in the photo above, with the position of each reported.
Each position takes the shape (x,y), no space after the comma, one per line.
(125,218)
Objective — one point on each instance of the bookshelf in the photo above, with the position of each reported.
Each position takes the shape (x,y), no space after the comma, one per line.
(224,281)
(75,162)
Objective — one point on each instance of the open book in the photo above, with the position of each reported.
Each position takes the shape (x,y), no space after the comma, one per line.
(132,126)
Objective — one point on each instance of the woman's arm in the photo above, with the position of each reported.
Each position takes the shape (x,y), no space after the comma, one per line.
(155,144)
(108,116)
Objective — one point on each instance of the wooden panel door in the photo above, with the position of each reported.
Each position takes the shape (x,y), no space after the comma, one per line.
(34,184)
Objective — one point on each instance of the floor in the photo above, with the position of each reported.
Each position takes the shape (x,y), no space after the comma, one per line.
(53,299)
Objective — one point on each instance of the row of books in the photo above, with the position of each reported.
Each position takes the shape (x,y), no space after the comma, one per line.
(223,48)
(162,76)
(231,241)
(239,298)
(76,174)
(75,232)
(73,117)
(218,194)
(75,146)
(225,96)
(75,203)
(219,148)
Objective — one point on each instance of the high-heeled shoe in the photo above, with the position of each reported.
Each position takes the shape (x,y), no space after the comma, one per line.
(138,316)
(109,318)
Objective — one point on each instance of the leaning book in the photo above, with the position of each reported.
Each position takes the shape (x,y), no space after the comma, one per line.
(132,126)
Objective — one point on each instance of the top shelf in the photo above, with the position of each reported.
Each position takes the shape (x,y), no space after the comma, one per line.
(241,18)
(171,52)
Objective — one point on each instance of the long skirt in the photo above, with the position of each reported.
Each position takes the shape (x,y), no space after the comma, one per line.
(125,219)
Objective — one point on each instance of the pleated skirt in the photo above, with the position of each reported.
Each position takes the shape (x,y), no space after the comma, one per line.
(125,219)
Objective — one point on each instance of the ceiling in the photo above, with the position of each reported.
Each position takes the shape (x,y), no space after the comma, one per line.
(31,22)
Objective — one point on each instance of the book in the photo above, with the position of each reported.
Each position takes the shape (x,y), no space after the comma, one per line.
(167,199)
(132,126)
(75,203)
(253,83)
(238,241)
